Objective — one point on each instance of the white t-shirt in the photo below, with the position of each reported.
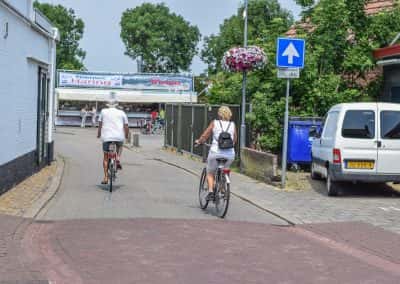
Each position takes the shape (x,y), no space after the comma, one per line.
(217,131)
(113,121)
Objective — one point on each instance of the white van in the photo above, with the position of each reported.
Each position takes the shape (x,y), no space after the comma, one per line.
(358,142)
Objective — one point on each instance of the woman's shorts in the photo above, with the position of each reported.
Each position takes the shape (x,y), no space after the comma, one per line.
(212,163)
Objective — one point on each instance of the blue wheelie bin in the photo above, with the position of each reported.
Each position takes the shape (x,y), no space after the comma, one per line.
(299,141)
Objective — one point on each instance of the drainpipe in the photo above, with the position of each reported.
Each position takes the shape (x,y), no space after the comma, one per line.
(52,96)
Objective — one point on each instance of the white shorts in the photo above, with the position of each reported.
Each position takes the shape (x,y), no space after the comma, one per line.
(212,163)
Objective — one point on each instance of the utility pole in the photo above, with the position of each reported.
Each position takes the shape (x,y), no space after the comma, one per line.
(243,117)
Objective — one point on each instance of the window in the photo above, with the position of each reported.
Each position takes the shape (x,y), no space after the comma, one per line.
(359,124)
(390,124)
(330,126)
(395,92)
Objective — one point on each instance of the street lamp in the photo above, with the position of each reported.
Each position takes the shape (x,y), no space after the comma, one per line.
(243,117)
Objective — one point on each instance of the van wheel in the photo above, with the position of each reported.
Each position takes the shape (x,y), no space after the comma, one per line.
(314,174)
(331,186)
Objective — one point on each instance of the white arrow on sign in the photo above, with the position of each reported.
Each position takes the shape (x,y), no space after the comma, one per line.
(291,52)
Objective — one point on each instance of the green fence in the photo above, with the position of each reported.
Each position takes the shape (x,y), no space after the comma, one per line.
(186,122)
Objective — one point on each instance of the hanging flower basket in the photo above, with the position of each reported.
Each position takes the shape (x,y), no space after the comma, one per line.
(240,59)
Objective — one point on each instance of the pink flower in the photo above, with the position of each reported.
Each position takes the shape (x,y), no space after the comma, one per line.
(240,59)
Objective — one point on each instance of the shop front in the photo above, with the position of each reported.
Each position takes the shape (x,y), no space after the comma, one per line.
(138,94)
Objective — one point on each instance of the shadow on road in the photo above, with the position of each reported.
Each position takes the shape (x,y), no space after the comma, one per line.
(359,190)
(106,188)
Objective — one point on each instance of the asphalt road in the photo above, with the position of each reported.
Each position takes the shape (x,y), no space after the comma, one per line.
(151,230)
(145,188)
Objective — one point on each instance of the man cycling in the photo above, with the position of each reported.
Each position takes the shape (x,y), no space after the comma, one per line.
(113,127)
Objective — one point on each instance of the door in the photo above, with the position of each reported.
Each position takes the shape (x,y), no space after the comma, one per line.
(43,94)
(324,145)
(358,142)
(389,150)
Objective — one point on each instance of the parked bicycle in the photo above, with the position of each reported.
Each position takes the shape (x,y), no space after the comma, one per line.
(157,127)
(221,188)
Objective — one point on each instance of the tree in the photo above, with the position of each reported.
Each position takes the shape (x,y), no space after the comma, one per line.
(165,42)
(266,18)
(69,55)
(338,63)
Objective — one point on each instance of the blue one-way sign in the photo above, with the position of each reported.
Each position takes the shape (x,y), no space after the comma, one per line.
(290,53)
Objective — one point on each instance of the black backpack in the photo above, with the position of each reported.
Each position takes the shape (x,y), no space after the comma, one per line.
(225,140)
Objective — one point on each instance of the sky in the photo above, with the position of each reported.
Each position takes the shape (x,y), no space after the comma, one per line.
(102,42)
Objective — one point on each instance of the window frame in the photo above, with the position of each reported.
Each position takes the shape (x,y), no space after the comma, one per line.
(359,110)
(381,124)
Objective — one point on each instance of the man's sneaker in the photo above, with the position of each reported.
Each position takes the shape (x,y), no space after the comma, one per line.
(119,167)
(210,196)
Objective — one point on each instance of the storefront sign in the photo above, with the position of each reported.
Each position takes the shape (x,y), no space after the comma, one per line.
(172,83)
(89,80)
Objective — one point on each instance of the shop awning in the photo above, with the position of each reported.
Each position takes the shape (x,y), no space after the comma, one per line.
(125,96)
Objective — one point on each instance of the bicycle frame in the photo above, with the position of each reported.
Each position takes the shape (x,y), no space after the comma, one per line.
(112,162)
(221,172)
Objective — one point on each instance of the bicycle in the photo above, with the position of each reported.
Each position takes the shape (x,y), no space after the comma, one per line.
(112,164)
(221,188)
(157,128)
(146,128)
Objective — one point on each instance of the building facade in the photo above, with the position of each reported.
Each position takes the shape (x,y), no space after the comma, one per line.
(27,72)
(389,59)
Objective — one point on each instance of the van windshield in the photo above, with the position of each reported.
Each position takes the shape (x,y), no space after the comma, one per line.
(359,124)
(390,124)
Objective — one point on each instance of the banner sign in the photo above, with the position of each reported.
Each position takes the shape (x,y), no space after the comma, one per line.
(89,80)
(172,83)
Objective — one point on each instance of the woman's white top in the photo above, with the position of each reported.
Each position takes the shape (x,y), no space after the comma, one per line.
(217,131)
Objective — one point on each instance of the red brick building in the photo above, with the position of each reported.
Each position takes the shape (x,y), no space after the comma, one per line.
(372,7)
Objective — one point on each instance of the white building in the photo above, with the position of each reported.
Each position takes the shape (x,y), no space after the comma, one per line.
(27,68)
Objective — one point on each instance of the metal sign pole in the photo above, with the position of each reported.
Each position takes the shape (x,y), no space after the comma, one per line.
(285,135)
(244,85)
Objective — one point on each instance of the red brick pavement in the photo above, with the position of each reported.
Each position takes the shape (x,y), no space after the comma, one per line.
(12,268)
(179,251)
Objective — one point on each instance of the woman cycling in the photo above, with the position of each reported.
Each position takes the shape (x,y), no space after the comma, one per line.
(221,125)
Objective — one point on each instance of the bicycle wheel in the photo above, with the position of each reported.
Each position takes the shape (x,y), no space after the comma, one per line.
(222,195)
(203,190)
(110,175)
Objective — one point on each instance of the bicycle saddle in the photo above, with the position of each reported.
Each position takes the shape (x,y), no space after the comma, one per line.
(222,160)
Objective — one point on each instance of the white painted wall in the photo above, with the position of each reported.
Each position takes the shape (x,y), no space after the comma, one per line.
(23,6)
(19,83)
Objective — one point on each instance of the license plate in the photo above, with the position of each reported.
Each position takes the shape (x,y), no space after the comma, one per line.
(364,165)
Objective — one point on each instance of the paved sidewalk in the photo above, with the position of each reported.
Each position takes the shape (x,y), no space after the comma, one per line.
(372,204)
(28,197)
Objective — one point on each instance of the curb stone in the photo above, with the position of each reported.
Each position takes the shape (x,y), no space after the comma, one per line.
(50,192)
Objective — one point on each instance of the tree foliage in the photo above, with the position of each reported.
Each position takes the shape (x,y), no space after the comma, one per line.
(165,42)
(69,55)
(338,62)
(265,19)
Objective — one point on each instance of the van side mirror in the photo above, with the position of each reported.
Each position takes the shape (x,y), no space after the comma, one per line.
(314,132)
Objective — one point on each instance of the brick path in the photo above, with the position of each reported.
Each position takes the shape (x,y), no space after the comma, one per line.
(19,199)
(376,205)
(205,251)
